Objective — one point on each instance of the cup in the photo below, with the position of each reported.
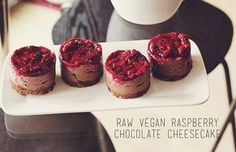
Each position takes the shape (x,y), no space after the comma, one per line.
(146,12)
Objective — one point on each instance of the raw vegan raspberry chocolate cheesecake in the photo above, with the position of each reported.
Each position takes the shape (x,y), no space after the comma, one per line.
(170,56)
(33,70)
(127,74)
(81,62)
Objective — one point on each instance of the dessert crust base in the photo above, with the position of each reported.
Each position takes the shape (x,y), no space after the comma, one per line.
(128,96)
(24,91)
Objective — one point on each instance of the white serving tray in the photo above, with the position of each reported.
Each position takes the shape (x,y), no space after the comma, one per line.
(191,90)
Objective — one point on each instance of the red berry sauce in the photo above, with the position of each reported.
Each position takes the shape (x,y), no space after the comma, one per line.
(125,65)
(33,61)
(169,46)
(76,52)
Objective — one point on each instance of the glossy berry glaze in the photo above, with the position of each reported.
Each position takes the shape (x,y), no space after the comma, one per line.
(33,61)
(169,46)
(76,52)
(126,65)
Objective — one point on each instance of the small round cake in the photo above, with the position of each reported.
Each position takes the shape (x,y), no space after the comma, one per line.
(127,74)
(81,62)
(33,70)
(170,56)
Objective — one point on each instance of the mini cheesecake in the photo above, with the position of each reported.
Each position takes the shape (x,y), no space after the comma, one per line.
(81,62)
(170,56)
(33,70)
(127,74)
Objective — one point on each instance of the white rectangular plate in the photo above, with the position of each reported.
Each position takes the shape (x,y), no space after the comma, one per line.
(191,90)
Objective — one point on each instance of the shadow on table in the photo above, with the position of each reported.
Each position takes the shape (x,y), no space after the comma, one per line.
(53,133)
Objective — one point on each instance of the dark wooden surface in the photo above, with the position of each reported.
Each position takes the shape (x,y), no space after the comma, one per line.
(86,19)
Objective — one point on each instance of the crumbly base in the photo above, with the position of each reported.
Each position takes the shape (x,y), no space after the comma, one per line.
(129,96)
(24,91)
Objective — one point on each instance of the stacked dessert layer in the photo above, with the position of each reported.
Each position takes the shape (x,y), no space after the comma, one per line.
(81,62)
(127,73)
(33,70)
(170,56)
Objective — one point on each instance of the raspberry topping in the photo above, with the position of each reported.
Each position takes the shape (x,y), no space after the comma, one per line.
(76,52)
(32,60)
(169,45)
(125,65)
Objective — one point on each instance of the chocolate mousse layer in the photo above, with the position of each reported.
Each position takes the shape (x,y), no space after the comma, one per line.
(81,62)
(33,85)
(170,56)
(82,76)
(128,89)
(33,70)
(172,70)
(127,74)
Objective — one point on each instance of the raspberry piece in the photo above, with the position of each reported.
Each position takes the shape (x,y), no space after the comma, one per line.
(170,45)
(33,60)
(125,65)
(76,52)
